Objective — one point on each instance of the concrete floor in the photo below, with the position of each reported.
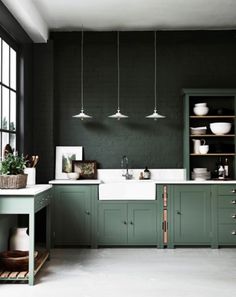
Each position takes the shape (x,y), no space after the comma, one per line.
(130,272)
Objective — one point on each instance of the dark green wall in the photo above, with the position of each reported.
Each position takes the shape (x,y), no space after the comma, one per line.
(193,59)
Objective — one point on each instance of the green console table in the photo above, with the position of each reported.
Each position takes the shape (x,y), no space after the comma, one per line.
(27,201)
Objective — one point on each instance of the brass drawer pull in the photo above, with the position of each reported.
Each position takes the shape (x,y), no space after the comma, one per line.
(233,201)
(233,216)
(233,191)
(233,232)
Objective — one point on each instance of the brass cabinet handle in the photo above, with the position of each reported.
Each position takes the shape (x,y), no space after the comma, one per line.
(233,201)
(233,232)
(233,216)
(233,191)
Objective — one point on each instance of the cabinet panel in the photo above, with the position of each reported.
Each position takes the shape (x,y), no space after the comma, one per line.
(72,215)
(192,214)
(142,222)
(227,201)
(227,190)
(112,223)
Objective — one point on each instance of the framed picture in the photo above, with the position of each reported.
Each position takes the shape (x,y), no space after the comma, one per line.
(86,169)
(64,157)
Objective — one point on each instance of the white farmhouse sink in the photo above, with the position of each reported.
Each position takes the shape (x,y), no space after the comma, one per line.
(128,190)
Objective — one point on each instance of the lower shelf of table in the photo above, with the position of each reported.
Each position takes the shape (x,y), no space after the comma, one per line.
(24,275)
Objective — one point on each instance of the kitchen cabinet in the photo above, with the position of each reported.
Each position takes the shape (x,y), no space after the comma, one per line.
(221,103)
(226,212)
(74,215)
(190,215)
(128,223)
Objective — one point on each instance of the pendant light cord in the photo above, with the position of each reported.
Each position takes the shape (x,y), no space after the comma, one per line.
(118,71)
(82,69)
(155,69)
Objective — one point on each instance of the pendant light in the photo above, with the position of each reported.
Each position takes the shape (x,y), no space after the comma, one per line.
(155,114)
(118,115)
(82,115)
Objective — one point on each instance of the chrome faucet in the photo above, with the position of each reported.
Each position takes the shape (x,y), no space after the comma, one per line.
(125,166)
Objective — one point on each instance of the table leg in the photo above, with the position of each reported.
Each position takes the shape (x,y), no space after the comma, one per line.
(31,247)
(48,229)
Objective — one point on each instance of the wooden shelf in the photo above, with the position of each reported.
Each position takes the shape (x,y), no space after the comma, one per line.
(213,117)
(214,154)
(23,275)
(213,135)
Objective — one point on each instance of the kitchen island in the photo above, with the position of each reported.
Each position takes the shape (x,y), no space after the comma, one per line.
(28,201)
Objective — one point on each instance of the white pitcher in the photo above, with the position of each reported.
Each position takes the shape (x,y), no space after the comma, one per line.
(196,145)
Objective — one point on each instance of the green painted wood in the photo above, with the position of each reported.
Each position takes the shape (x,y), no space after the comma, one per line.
(72,214)
(112,223)
(227,234)
(192,214)
(142,223)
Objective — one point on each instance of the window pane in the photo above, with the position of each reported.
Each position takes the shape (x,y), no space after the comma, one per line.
(13,111)
(5,108)
(13,69)
(13,141)
(5,140)
(0,59)
(5,63)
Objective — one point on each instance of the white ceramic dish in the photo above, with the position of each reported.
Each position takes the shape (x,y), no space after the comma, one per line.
(220,128)
(200,170)
(200,104)
(73,175)
(198,130)
(200,110)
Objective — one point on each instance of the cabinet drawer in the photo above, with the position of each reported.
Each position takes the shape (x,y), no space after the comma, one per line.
(42,200)
(227,201)
(227,216)
(227,233)
(227,190)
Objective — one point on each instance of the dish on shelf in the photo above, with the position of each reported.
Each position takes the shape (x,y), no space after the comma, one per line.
(220,128)
(200,170)
(200,104)
(200,176)
(16,260)
(198,130)
(73,175)
(200,110)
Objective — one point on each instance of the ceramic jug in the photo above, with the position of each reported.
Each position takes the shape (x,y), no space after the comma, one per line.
(196,145)
(19,240)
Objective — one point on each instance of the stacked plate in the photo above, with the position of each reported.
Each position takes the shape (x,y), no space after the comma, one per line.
(200,174)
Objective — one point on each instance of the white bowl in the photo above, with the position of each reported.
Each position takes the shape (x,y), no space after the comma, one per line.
(73,175)
(220,128)
(200,104)
(200,170)
(200,110)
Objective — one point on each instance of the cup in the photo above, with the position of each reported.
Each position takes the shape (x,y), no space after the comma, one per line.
(31,179)
(203,149)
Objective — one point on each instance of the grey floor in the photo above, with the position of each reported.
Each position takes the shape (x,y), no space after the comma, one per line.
(141,272)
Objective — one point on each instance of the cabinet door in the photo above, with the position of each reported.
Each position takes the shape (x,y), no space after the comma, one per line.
(112,223)
(142,223)
(72,208)
(192,214)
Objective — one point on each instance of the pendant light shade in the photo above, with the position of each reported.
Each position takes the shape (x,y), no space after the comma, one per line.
(82,115)
(155,114)
(118,115)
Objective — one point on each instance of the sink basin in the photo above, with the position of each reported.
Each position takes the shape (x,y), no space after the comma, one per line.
(128,190)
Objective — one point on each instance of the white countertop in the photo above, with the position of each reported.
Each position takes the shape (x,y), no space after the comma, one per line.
(75,182)
(28,191)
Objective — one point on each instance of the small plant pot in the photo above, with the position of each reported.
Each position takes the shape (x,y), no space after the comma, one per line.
(13,181)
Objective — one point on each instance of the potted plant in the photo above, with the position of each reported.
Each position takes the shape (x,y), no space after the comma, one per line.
(12,172)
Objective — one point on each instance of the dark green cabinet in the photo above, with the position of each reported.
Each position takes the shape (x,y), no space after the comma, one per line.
(127,223)
(191,217)
(226,212)
(74,215)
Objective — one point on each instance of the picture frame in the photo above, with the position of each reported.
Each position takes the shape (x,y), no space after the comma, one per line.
(86,169)
(64,157)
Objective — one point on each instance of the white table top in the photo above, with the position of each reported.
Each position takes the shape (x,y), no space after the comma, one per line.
(28,191)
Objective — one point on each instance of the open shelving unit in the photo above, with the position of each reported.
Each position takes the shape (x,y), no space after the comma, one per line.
(222,108)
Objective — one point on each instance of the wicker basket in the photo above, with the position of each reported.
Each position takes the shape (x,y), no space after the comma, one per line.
(15,260)
(13,181)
